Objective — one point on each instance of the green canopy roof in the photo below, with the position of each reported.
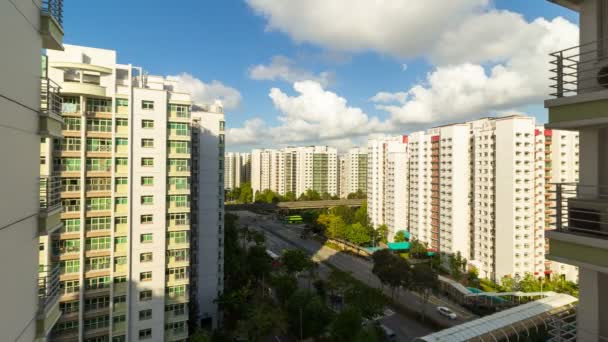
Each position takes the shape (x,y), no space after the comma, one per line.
(396,246)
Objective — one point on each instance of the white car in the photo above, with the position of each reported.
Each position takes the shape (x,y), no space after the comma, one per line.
(446,312)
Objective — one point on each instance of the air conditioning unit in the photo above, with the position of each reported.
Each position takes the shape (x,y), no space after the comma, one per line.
(588,215)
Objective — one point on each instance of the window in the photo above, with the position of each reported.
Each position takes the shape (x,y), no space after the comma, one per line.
(145,295)
(122,103)
(147,143)
(178,219)
(147,123)
(122,143)
(179,201)
(97,322)
(145,257)
(176,309)
(69,266)
(71,124)
(179,165)
(67,164)
(98,223)
(119,319)
(145,334)
(98,184)
(176,273)
(99,263)
(66,246)
(99,125)
(181,129)
(120,220)
(149,105)
(69,307)
(71,226)
(145,314)
(122,181)
(69,286)
(179,146)
(121,200)
(145,219)
(97,243)
(97,283)
(145,238)
(147,162)
(120,240)
(222,138)
(99,145)
(120,300)
(99,203)
(179,183)
(147,181)
(96,303)
(122,162)
(180,111)
(176,291)
(119,261)
(177,237)
(99,164)
(122,123)
(145,276)
(99,105)
(222,125)
(178,255)
(66,326)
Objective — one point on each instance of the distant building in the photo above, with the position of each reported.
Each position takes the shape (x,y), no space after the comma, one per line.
(237,169)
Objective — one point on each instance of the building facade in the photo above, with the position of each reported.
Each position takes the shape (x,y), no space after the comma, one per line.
(354,170)
(237,169)
(476,188)
(133,189)
(30,122)
(579,103)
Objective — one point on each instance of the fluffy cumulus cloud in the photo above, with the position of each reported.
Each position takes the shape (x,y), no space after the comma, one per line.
(284,69)
(483,62)
(211,92)
(312,115)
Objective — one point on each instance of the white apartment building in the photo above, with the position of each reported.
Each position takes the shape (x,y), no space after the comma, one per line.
(232,170)
(355,171)
(30,120)
(376,160)
(142,192)
(477,188)
(342,176)
(396,192)
(245,166)
(295,169)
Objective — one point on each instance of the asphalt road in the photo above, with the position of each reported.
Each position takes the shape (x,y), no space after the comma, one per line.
(287,236)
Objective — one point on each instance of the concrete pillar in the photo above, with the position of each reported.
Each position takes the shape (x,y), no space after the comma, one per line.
(588,306)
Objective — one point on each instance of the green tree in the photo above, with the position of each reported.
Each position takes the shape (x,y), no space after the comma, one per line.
(357,195)
(260,264)
(346,325)
(290,196)
(309,195)
(357,234)
(361,215)
(400,236)
(334,225)
(296,261)
(325,196)
(262,320)
(369,301)
(284,285)
(245,193)
(392,270)
(200,335)
(310,310)
(457,265)
(382,233)
(473,277)
(423,281)
(344,212)
(417,249)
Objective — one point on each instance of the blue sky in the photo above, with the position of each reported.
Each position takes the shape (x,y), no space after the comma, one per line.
(225,40)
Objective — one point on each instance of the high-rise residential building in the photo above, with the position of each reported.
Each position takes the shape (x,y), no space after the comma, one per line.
(142,192)
(232,171)
(30,121)
(355,171)
(295,169)
(470,188)
(376,160)
(343,176)
(579,233)
(396,188)
(237,169)
(207,236)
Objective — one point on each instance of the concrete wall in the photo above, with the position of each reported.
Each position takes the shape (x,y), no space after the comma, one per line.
(19,105)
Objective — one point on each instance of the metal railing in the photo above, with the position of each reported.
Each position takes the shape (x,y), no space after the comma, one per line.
(53,8)
(580,69)
(50,97)
(50,192)
(48,286)
(581,209)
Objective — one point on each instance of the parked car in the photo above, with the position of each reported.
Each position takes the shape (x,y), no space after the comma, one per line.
(446,312)
(389,334)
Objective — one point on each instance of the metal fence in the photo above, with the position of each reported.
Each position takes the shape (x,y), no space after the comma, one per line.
(48,285)
(50,98)
(50,192)
(53,8)
(579,208)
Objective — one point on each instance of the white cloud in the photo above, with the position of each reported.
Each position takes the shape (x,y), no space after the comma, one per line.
(396,27)
(458,91)
(403,67)
(386,97)
(283,68)
(314,115)
(202,92)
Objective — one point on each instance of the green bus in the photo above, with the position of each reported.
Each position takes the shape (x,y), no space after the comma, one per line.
(293,219)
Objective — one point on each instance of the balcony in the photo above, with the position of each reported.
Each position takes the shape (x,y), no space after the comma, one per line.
(50,205)
(176,334)
(51,24)
(48,300)
(580,223)
(51,121)
(579,83)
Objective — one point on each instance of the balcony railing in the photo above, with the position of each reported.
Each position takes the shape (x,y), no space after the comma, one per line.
(580,69)
(580,209)
(50,192)
(50,98)
(48,286)
(53,8)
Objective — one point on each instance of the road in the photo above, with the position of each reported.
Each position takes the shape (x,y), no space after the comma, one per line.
(280,237)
